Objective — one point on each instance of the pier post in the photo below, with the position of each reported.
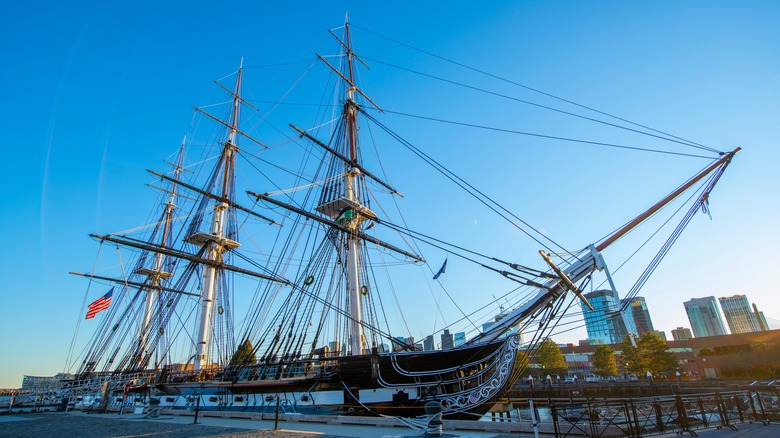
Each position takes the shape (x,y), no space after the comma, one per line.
(197,409)
(276,418)
(534,423)
(435,424)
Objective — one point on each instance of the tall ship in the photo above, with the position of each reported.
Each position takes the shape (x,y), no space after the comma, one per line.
(282,285)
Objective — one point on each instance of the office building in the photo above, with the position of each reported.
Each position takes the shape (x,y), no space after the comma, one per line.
(446,340)
(681,334)
(606,324)
(739,315)
(641,315)
(762,324)
(428,343)
(459,338)
(704,317)
(660,334)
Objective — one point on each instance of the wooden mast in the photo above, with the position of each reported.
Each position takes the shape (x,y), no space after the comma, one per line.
(353,247)
(215,242)
(660,204)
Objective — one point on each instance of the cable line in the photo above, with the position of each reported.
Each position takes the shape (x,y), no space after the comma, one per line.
(545,106)
(468,188)
(686,142)
(552,137)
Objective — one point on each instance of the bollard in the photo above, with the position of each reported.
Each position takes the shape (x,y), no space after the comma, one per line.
(154,408)
(433,410)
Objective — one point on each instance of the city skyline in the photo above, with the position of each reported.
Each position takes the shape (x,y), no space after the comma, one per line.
(741,316)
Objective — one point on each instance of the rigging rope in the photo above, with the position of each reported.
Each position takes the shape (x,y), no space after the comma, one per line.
(468,188)
(682,140)
(551,137)
(674,236)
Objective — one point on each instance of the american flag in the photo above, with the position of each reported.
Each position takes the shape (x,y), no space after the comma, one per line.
(101,303)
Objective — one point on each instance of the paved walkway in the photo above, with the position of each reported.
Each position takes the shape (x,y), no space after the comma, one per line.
(74,424)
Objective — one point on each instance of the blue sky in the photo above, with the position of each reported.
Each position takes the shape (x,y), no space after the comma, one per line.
(95,93)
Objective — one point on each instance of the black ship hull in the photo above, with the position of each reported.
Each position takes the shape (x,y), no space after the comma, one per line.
(467,381)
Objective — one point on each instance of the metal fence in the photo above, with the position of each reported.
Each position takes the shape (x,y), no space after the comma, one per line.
(639,417)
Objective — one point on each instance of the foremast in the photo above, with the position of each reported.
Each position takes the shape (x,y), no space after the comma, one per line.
(215,243)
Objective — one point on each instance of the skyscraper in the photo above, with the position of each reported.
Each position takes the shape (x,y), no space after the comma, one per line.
(428,343)
(605,323)
(681,334)
(762,324)
(641,315)
(739,315)
(705,317)
(446,340)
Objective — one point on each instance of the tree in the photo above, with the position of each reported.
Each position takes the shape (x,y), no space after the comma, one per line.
(244,355)
(631,354)
(657,359)
(647,353)
(549,356)
(604,361)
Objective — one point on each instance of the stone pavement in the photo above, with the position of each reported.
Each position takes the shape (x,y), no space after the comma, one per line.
(75,424)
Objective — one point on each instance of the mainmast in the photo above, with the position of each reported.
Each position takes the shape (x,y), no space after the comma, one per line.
(353,247)
(347,208)
(215,243)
